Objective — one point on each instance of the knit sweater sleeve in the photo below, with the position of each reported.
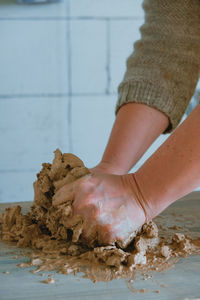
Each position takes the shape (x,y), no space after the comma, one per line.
(163,69)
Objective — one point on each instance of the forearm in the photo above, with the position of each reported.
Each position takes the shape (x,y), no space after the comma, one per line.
(159,82)
(173,170)
(163,69)
(135,128)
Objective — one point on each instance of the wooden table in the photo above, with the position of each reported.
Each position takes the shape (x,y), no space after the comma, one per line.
(181,282)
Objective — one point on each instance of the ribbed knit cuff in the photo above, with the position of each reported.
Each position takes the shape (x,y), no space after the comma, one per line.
(152,95)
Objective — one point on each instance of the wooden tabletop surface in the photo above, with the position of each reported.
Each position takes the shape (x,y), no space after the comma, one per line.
(180,282)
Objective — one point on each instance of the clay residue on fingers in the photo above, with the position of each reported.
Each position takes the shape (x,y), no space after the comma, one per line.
(55,234)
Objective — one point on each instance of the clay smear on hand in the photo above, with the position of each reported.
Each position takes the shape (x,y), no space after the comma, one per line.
(54,234)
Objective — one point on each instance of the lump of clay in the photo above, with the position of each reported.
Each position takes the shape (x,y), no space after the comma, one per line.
(51,227)
(45,223)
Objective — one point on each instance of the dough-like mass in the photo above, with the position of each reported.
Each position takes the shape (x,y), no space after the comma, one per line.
(54,234)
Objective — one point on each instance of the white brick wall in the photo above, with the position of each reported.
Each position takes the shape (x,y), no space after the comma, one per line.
(92,120)
(16,186)
(88,57)
(33,57)
(123,34)
(61,64)
(107,8)
(10,9)
(30,130)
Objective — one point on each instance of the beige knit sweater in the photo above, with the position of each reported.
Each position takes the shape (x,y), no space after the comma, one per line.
(164,67)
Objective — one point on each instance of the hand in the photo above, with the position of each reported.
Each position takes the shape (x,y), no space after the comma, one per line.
(111,206)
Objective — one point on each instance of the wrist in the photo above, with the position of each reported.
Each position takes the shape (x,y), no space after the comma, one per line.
(107,168)
(153,201)
(142,201)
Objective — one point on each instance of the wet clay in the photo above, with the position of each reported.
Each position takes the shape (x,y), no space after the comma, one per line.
(54,234)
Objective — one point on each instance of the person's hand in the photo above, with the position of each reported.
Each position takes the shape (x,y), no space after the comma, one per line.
(111,206)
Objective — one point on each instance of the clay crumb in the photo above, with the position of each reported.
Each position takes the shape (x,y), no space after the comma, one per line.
(165,251)
(36,262)
(134,290)
(23,265)
(175,227)
(178,237)
(49,280)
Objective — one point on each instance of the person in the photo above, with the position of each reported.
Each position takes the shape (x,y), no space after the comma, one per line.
(160,79)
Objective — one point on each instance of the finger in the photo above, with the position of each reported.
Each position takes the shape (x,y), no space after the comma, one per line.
(64,188)
(89,211)
(105,235)
(89,234)
(81,203)
(68,191)
(64,194)
(85,199)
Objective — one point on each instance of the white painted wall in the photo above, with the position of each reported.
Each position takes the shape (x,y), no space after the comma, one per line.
(60,66)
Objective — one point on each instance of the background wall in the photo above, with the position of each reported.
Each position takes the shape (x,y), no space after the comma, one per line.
(60,66)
